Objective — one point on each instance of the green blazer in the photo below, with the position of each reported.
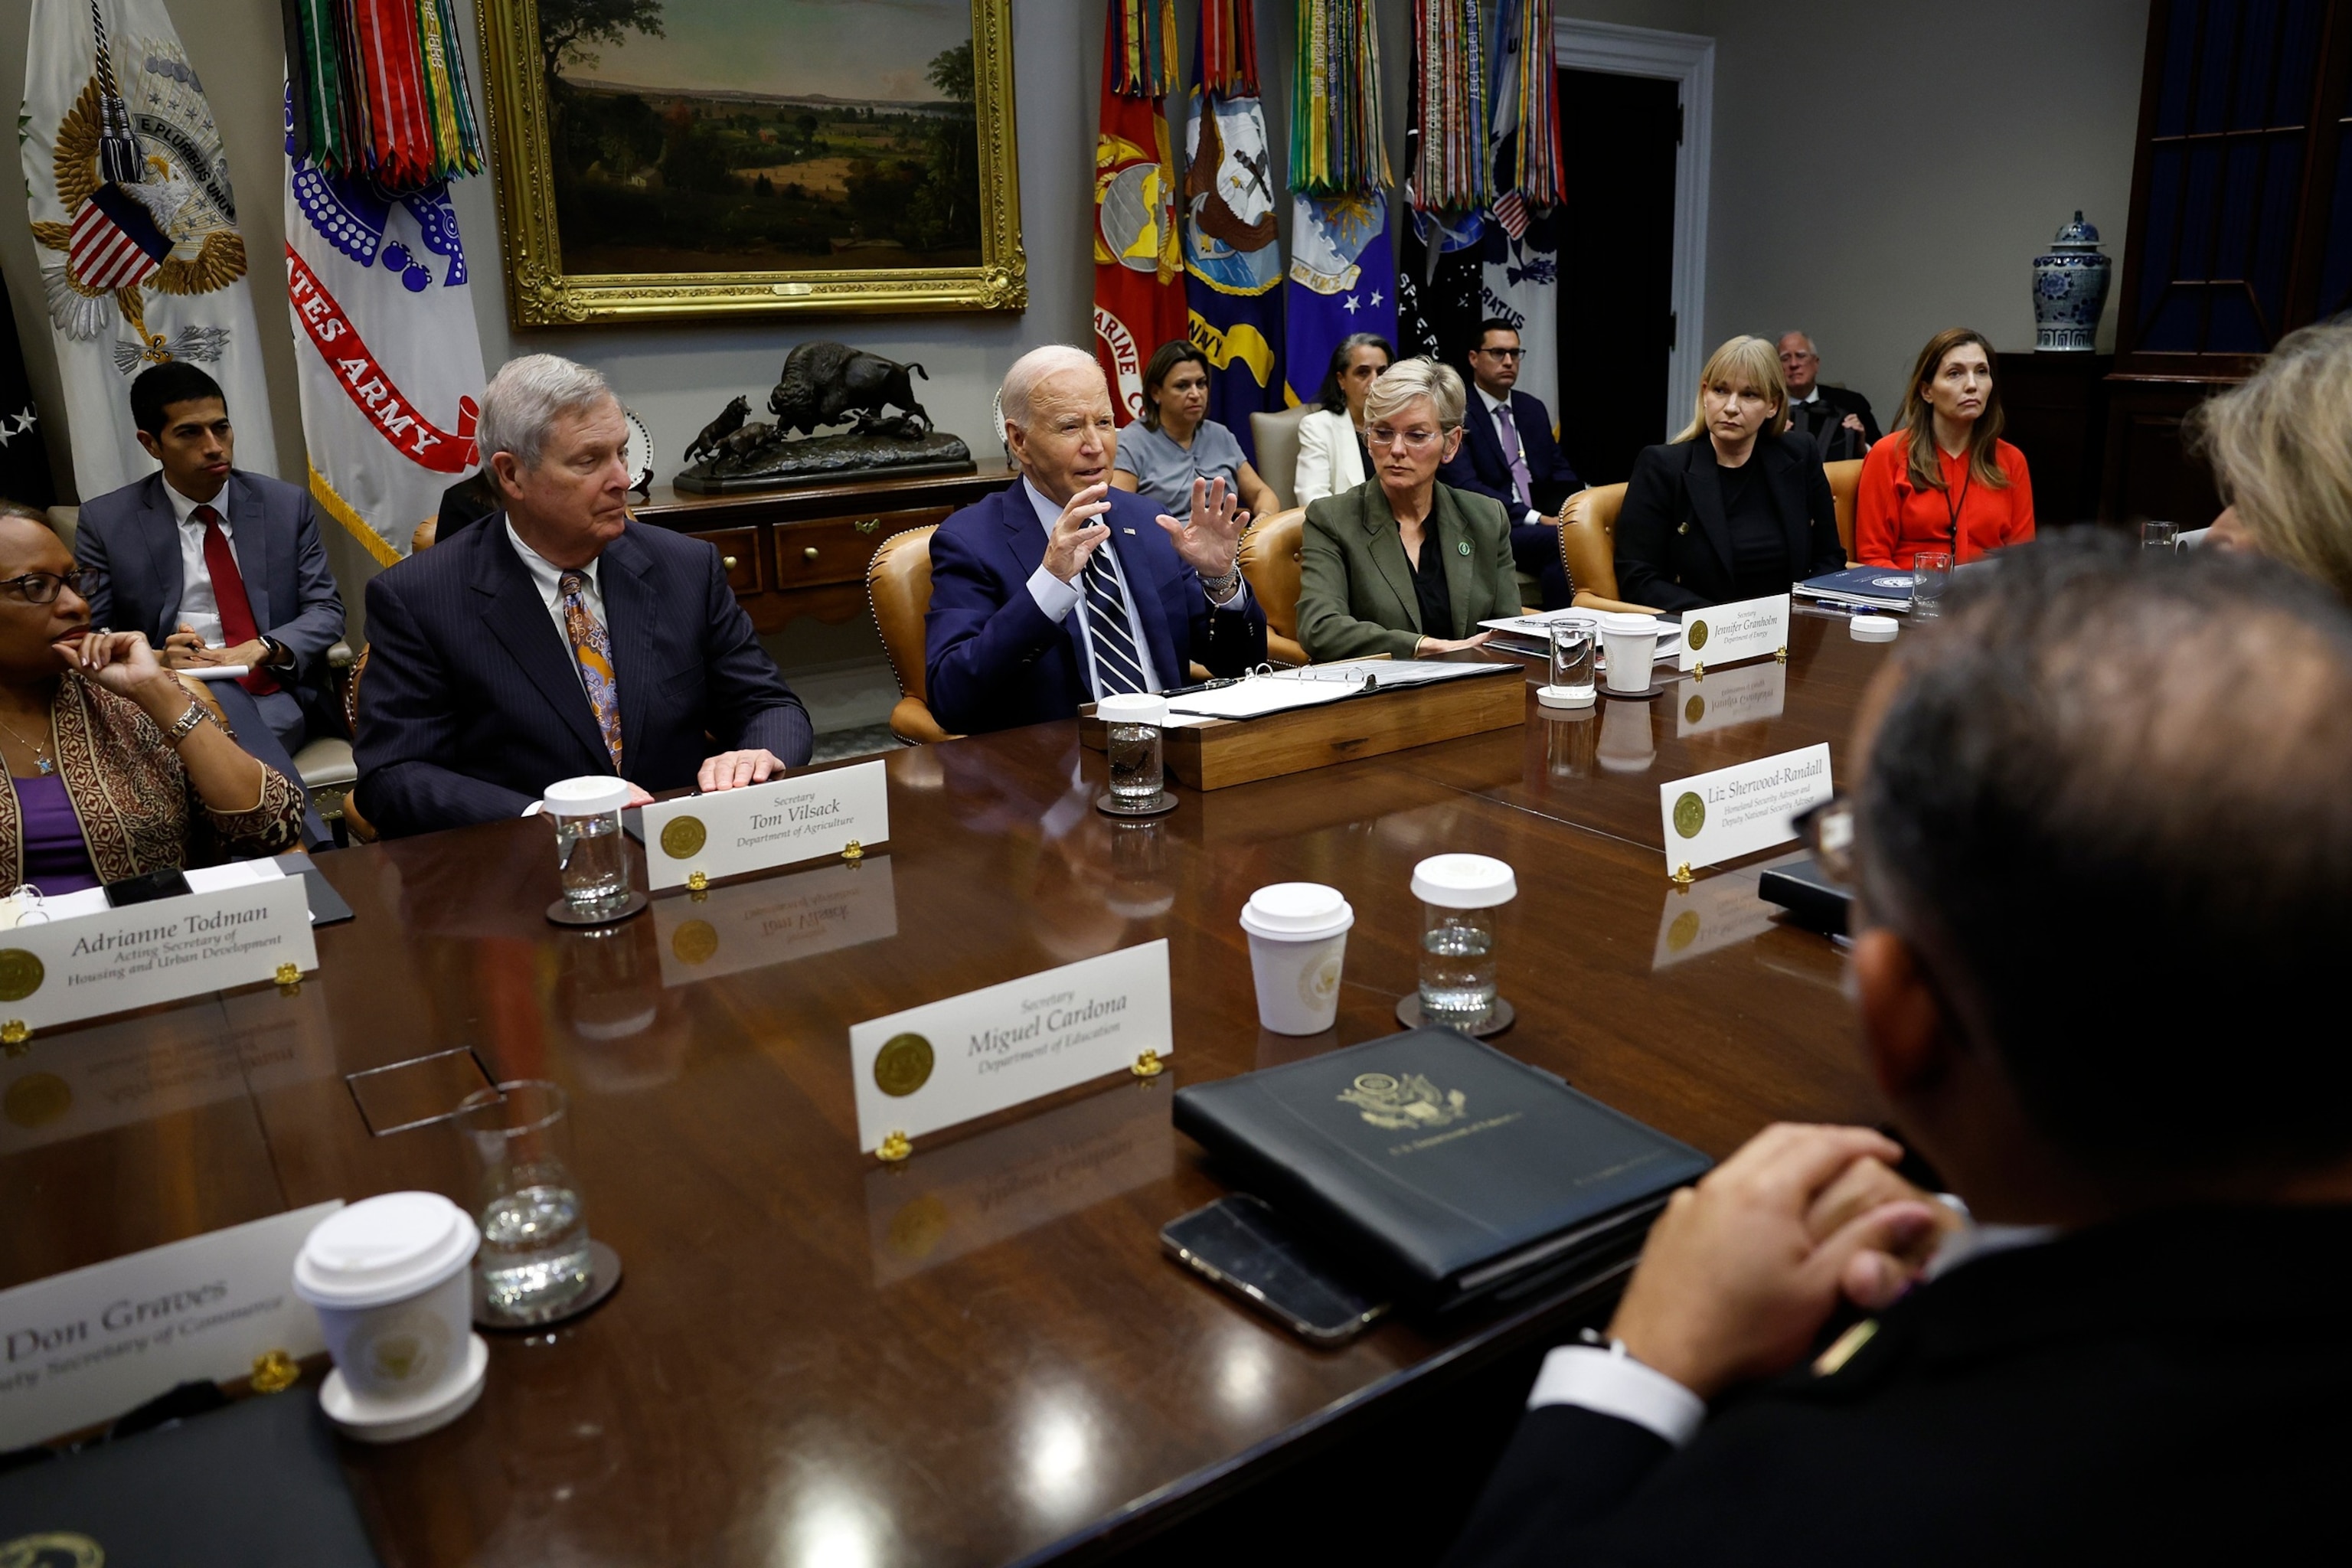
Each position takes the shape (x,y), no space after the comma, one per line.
(1355,587)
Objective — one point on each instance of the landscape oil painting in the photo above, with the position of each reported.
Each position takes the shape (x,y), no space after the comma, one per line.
(662,157)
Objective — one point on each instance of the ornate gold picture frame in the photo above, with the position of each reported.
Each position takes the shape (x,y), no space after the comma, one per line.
(899,194)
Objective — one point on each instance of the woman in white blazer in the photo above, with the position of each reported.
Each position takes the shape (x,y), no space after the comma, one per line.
(1331,439)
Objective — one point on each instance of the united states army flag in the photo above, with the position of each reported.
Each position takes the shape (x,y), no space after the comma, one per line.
(136,228)
(385,340)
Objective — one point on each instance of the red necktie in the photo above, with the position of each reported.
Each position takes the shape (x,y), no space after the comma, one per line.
(229,595)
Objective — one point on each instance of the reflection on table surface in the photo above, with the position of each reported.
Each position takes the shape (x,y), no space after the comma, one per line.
(812,1359)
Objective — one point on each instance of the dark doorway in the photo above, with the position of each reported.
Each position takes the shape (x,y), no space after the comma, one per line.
(1619,134)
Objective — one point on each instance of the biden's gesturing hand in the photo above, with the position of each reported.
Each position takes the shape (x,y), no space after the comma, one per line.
(1076,533)
(733,769)
(1210,537)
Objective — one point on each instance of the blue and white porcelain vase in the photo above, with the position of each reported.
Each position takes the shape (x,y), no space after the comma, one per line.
(2070,289)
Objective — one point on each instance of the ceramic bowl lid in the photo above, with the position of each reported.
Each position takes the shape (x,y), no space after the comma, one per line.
(2077,236)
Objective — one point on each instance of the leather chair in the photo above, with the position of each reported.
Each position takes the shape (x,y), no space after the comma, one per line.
(355,822)
(1587,549)
(1276,437)
(898,591)
(1845,483)
(1270,565)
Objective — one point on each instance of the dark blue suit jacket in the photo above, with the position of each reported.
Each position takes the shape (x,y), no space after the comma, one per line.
(130,535)
(471,705)
(992,659)
(1481,468)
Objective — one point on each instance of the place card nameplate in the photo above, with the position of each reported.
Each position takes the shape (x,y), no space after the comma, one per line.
(81,1348)
(1723,634)
(83,966)
(800,817)
(988,1050)
(1736,811)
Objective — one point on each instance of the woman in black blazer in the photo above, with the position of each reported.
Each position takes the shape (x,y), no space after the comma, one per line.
(1738,515)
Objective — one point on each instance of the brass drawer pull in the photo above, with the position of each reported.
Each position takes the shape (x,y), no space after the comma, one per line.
(869,525)
(810,553)
(727,562)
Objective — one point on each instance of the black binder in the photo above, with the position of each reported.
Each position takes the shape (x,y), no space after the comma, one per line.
(1449,1168)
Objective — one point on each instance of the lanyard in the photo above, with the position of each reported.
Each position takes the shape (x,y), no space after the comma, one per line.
(1952,508)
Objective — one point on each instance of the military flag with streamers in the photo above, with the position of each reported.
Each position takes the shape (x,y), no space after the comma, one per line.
(136,228)
(23,457)
(1138,258)
(1233,260)
(1520,253)
(1342,266)
(1448,185)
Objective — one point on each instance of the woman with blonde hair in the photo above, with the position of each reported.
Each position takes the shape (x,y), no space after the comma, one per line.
(1733,507)
(2281,446)
(1944,478)
(1403,564)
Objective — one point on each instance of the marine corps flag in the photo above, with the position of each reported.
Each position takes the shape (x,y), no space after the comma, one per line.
(140,254)
(1138,305)
(1231,263)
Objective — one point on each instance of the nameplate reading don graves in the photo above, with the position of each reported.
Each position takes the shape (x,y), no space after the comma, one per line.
(988,1050)
(1736,811)
(801,816)
(1724,634)
(82,966)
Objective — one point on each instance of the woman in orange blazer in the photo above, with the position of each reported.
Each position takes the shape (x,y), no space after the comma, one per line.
(1945,479)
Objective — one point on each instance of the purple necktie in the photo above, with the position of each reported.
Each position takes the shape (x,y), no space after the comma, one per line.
(1522,488)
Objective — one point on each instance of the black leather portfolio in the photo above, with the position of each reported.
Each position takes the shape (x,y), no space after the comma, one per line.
(1451,1169)
(1811,895)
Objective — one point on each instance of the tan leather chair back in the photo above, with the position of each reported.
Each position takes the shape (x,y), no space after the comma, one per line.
(1845,483)
(1270,563)
(1587,548)
(1276,437)
(899,590)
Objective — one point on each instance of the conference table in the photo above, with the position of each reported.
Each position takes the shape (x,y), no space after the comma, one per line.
(980,1356)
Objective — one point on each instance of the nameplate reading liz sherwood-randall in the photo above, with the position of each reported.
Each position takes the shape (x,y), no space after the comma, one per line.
(987,1050)
(81,966)
(797,817)
(85,1346)
(1736,811)
(1721,634)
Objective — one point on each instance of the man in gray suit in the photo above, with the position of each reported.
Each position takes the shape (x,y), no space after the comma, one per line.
(217,566)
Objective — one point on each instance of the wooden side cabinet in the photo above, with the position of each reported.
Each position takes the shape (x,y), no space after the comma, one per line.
(804,551)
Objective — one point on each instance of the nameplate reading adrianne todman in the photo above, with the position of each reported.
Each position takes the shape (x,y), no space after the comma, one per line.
(115,960)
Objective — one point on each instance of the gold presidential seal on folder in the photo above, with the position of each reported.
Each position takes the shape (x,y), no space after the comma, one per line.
(1690,814)
(20,974)
(903,1065)
(683,835)
(1412,1101)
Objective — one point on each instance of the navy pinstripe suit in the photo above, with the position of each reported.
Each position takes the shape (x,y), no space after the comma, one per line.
(471,704)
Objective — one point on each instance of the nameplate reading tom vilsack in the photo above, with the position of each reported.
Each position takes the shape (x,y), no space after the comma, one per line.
(1738,810)
(987,1050)
(109,962)
(83,1347)
(1724,634)
(801,816)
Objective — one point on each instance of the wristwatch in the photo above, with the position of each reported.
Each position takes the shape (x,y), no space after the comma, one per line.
(280,656)
(185,724)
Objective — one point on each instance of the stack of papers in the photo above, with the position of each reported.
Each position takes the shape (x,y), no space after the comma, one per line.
(1531,635)
(1281,690)
(1873,587)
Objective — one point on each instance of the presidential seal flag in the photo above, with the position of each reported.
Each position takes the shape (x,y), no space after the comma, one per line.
(1138,305)
(389,358)
(1233,264)
(136,228)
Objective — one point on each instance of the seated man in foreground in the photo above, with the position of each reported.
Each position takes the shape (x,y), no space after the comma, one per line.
(2104,854)
(1061,590)
(558,638)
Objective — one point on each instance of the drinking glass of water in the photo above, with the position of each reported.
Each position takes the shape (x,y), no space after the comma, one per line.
(534,1259)
(1133,722)
(1931,574)
(1459,895)
(589,850)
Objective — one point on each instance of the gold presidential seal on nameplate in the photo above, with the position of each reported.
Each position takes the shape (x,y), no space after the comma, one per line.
(1696,635)
(20,974)
(1412,1101)
(683,835)
(903,1065)
(1690,814)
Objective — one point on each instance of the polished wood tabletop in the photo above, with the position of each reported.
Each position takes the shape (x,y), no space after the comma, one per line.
(980,1356)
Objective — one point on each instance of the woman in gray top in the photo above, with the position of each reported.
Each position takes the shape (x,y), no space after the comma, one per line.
(1176,442)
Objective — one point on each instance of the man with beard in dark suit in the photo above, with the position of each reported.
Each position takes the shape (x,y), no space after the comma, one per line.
(1840,422)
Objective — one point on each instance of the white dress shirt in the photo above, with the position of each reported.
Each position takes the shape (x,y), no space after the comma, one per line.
(1499,409)
(199,606)
(548,578)
(1055,599)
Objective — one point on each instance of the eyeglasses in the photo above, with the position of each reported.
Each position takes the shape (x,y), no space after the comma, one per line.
(1414,440)
(1828,831)
(41,587)
(1500,353)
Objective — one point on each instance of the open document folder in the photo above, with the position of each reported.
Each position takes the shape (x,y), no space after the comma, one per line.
(1530,636)
(1279,690)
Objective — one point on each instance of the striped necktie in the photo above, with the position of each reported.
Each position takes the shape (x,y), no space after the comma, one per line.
(593,651)
(1118,667)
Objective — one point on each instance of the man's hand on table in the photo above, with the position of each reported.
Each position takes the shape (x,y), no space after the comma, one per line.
(733,769)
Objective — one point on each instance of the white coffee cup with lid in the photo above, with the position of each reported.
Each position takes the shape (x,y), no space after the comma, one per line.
(388,1278)
(1631,643)
(1298,945)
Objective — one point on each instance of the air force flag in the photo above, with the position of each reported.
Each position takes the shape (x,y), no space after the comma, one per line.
(1342,281)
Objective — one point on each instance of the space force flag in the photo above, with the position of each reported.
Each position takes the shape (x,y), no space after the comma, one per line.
(1138,304)
(388,357)
(136,228)
(1232,262)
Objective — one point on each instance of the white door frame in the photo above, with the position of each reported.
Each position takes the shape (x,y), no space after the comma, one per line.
(1688,60)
